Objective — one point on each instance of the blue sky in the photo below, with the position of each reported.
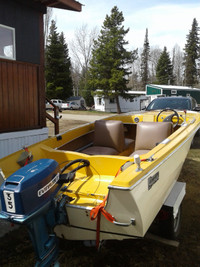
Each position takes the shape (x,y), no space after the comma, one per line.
(168,21)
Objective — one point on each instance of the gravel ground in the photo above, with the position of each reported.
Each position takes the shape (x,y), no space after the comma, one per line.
(73,119)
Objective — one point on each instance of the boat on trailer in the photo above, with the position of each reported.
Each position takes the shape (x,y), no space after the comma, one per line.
(104,180)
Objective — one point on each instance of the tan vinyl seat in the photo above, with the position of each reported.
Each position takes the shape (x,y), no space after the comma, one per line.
(150,134)
(108,138)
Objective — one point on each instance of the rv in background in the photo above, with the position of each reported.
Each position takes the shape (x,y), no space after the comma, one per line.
(137,100)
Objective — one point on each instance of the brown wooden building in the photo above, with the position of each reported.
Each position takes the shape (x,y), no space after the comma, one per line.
(22,87)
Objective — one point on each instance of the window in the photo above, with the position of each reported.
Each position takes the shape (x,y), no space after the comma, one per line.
(173,103)
(112,100)
(7,42)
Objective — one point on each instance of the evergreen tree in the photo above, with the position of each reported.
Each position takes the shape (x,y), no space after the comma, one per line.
(191,55)
(58,76)
(65,70)
(164,69)
(110,64)
(86,88)
(145,61)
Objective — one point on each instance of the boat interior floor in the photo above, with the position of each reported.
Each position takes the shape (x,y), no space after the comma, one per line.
(108,136)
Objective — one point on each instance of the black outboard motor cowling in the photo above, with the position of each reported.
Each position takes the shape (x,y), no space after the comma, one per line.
(28,197)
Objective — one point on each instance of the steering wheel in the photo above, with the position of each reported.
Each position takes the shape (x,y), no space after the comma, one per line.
(170,117)
(68,177)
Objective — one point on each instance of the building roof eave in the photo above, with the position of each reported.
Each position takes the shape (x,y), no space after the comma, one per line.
(62,4)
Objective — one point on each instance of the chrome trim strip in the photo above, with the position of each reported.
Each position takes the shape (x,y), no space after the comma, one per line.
(78,207)
(132,222)
(166,141)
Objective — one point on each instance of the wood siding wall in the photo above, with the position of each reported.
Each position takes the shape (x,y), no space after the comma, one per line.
(20,100)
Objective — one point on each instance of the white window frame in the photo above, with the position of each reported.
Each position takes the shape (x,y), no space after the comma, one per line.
(14,44)
(173,92)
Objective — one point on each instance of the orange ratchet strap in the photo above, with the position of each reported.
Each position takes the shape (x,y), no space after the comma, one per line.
(96,213)
(100,209)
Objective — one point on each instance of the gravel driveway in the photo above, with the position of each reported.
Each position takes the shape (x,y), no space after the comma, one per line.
(81,117)
(72,120)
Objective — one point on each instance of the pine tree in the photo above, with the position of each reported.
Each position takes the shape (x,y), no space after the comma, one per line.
(110,64)
(145,61)
(191,55)
(164,69)
(65,70)
(58,76)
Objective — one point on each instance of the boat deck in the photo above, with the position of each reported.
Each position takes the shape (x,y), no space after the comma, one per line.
(89,191)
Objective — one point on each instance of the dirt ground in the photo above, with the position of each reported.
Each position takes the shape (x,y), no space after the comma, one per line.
(73,118)
(16,248)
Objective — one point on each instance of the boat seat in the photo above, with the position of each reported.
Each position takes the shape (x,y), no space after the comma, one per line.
(109,139)
(150,134)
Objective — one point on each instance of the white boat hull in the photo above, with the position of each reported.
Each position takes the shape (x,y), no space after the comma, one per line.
(138,204)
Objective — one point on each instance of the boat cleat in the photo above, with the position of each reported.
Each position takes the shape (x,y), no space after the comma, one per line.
(137,161)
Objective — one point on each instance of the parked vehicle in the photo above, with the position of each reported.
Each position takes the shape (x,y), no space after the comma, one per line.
(57,102)
(73,105)
(60,103)
(48,105)
(175,102)
(64,105)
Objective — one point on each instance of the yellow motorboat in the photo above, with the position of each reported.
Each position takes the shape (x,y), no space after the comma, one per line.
(104,180)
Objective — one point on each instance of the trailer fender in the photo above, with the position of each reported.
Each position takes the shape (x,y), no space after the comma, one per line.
(175,197)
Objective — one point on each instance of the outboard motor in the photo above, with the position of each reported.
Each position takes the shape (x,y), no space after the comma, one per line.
(28,197)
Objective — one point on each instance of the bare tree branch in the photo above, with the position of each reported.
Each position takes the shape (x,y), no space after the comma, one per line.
(47,22)
(81,46)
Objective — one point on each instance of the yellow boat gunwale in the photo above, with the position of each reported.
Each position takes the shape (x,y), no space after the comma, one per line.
(48,148)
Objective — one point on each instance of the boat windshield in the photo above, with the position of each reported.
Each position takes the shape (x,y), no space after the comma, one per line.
(162,103)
